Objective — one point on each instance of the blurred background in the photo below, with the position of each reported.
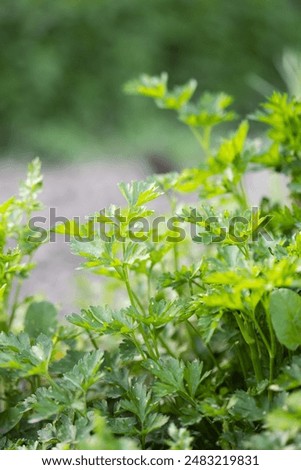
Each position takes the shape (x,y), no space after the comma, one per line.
(63,64)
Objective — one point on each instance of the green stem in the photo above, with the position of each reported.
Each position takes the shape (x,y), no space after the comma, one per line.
(198,137)
(262,335)
(143,439)
(176,256)
(256,362)
(241,361)
(15,304)
(152,350)
(94,344)
(132,296)
(154,340)
(166,347)
(135,302)
(2,395)
(242,196)
(213,426)
(149,284)
(272,339)
(248,337)
(243,249)
(50,380)
(207,139)
(203,140)
(207,346)
(128,287)
(197,284)
(138,301)
(138,347)
(173,204)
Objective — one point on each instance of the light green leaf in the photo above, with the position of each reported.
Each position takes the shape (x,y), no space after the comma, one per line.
(178,97)
(154,87)
(70,227)
(104,320)
(210,110)
(138,193)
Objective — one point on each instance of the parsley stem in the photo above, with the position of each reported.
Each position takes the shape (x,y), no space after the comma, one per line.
(262,335)
(256,362)
(241,361)
(15,304)
(132,297)
(176,256)
(149,282)
(94,344)
(203,140)
(273,344)
(207,346)
(243,199)
(248,336)
(198,137)
(166,347)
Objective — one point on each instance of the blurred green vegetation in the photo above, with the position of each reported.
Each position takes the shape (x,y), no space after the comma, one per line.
(63,64)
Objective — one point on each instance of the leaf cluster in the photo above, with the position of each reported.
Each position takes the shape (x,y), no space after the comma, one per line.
(204,350)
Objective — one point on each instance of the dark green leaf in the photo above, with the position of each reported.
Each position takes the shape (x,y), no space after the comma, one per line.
(41,317)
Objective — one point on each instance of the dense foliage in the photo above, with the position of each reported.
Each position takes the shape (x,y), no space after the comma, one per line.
(204,350)
(64,62)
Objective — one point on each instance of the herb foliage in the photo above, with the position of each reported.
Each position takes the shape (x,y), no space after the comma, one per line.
(205,351)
